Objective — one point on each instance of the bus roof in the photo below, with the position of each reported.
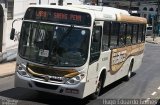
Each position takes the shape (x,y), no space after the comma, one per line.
(100,12)
(131,19)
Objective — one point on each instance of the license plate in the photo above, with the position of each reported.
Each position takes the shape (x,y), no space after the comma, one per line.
(44,53)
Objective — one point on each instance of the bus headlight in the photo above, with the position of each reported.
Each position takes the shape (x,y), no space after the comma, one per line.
(21,69)
(75,80)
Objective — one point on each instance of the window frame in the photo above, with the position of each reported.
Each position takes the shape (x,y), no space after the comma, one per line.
(107,33)
(112,29)
(100,44)
(124,34)
(129,25)
(134,31)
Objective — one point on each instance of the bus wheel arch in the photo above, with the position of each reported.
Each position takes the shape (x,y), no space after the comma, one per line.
(103,76)
(100,84)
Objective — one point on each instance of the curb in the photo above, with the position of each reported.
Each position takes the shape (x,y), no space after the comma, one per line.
(7,74)
(151,42)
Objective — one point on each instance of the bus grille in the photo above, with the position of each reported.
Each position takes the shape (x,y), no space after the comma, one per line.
(54,75)
(46,86)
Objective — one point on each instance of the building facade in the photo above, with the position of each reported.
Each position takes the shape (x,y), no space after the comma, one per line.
(149,11)
(143,8)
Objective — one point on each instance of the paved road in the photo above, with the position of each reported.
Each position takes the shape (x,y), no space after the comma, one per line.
(143,85)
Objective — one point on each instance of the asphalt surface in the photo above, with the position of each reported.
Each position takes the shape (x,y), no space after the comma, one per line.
(143,86)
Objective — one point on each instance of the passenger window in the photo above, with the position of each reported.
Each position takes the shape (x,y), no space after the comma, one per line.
(129,34)
(114,35)
(106,33)
(144,33)
(135,30)
(140,33)
(122,35)
(96,43)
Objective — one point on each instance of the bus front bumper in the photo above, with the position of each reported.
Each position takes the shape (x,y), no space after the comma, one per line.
(61,89)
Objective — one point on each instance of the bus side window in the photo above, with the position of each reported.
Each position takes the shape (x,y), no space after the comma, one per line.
(134,37)
(114,34)
(95,43)
(144,33)
(140,33)
(105,38)
(129,34)
(122,36)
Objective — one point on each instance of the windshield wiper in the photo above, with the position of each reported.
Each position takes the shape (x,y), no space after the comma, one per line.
(66,33)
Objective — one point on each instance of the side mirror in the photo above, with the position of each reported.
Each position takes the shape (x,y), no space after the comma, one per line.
(12,34)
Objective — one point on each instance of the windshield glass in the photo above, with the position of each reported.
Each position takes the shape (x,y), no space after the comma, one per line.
(53,44)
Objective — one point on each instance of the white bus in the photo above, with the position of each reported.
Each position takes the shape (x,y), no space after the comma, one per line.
(77,50)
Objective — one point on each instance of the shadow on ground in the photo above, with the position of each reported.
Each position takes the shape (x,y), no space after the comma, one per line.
(115,84)
(31,97)
(25,96)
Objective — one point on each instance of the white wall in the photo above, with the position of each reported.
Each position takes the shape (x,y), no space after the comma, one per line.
(4,27)
(20,7)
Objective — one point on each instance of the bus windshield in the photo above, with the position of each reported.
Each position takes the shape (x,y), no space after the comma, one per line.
(53,44)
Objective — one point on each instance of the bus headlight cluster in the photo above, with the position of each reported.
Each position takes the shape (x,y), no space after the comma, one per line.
(21,69)
(75,80)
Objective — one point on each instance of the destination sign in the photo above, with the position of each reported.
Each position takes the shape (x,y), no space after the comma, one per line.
(58,16)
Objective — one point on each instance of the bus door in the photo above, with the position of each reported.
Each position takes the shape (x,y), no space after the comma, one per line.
(94,58)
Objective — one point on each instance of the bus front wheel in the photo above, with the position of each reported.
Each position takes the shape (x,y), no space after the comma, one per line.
(98,89)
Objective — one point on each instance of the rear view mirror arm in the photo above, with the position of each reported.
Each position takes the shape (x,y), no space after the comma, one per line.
(12,34)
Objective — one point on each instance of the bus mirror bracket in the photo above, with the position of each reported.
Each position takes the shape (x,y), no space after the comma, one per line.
(13,31)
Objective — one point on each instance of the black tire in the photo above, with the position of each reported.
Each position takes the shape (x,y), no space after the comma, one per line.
(98,89)
(129,74)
